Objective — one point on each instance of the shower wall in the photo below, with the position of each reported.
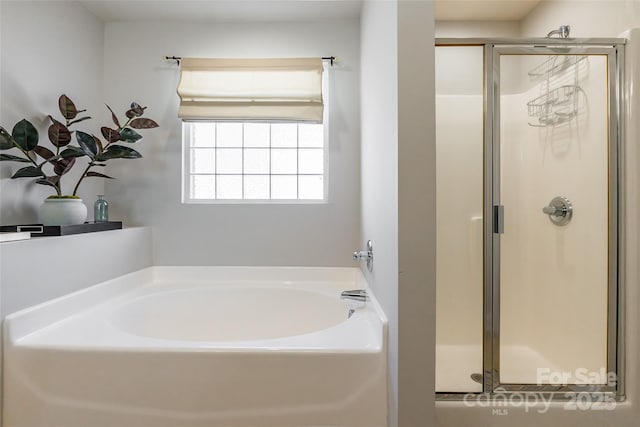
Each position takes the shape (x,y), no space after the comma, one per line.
(459,146)
(459,136)
(554,278)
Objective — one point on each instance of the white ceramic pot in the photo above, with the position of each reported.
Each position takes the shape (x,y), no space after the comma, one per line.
(62,212)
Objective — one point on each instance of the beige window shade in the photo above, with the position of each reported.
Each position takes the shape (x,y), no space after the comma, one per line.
(251,89)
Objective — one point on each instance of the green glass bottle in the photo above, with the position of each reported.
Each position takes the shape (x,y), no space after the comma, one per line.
(101,210)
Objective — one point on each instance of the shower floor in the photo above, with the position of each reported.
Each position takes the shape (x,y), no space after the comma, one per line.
(456,363)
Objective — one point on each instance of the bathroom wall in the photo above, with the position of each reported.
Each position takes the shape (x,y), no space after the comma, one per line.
(42,59)
(416,213)
(398,193)
(232,234)
(458,29)
(379,124)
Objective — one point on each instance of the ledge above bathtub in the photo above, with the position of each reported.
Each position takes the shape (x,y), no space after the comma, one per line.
(39,230)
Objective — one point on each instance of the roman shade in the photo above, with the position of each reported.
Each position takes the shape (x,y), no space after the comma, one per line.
(251,89)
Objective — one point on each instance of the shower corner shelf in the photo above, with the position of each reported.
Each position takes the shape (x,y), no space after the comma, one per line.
(553,66)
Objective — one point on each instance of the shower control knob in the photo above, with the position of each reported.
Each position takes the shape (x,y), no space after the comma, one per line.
(560,210)
(553,210)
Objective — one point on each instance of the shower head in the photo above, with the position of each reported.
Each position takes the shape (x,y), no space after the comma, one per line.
(562,32)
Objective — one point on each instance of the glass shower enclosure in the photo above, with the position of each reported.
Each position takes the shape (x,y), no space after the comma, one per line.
(528,171)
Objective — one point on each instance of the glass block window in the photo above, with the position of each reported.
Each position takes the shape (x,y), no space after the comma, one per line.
(254,161)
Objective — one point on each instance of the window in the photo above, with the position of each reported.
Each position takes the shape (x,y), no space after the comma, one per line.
(245,142)
(254,161)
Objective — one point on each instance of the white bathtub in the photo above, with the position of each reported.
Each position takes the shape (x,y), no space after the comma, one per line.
(200,346)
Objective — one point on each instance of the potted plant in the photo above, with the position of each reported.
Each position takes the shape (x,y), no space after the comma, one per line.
(49,166)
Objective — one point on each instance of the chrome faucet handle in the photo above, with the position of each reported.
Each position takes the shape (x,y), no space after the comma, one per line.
(560,210)
(365,255)
(553,210)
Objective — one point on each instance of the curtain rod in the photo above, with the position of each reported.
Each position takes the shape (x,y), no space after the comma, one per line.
(331,59)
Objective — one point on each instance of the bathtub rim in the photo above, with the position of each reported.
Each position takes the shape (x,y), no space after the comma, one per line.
(23,323)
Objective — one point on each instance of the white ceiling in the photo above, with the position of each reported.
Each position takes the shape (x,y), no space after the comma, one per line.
(223,10)
(291,10)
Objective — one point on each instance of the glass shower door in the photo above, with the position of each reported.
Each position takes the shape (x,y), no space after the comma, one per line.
(556,181)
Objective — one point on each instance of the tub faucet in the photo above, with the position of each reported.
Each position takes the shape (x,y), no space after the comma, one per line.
(355,294)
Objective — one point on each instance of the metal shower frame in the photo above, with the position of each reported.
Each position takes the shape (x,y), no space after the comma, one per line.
(613,48)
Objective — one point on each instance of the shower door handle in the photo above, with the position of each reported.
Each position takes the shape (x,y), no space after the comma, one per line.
(498,219)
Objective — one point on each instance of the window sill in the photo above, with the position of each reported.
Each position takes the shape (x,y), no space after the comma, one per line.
(254,202)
